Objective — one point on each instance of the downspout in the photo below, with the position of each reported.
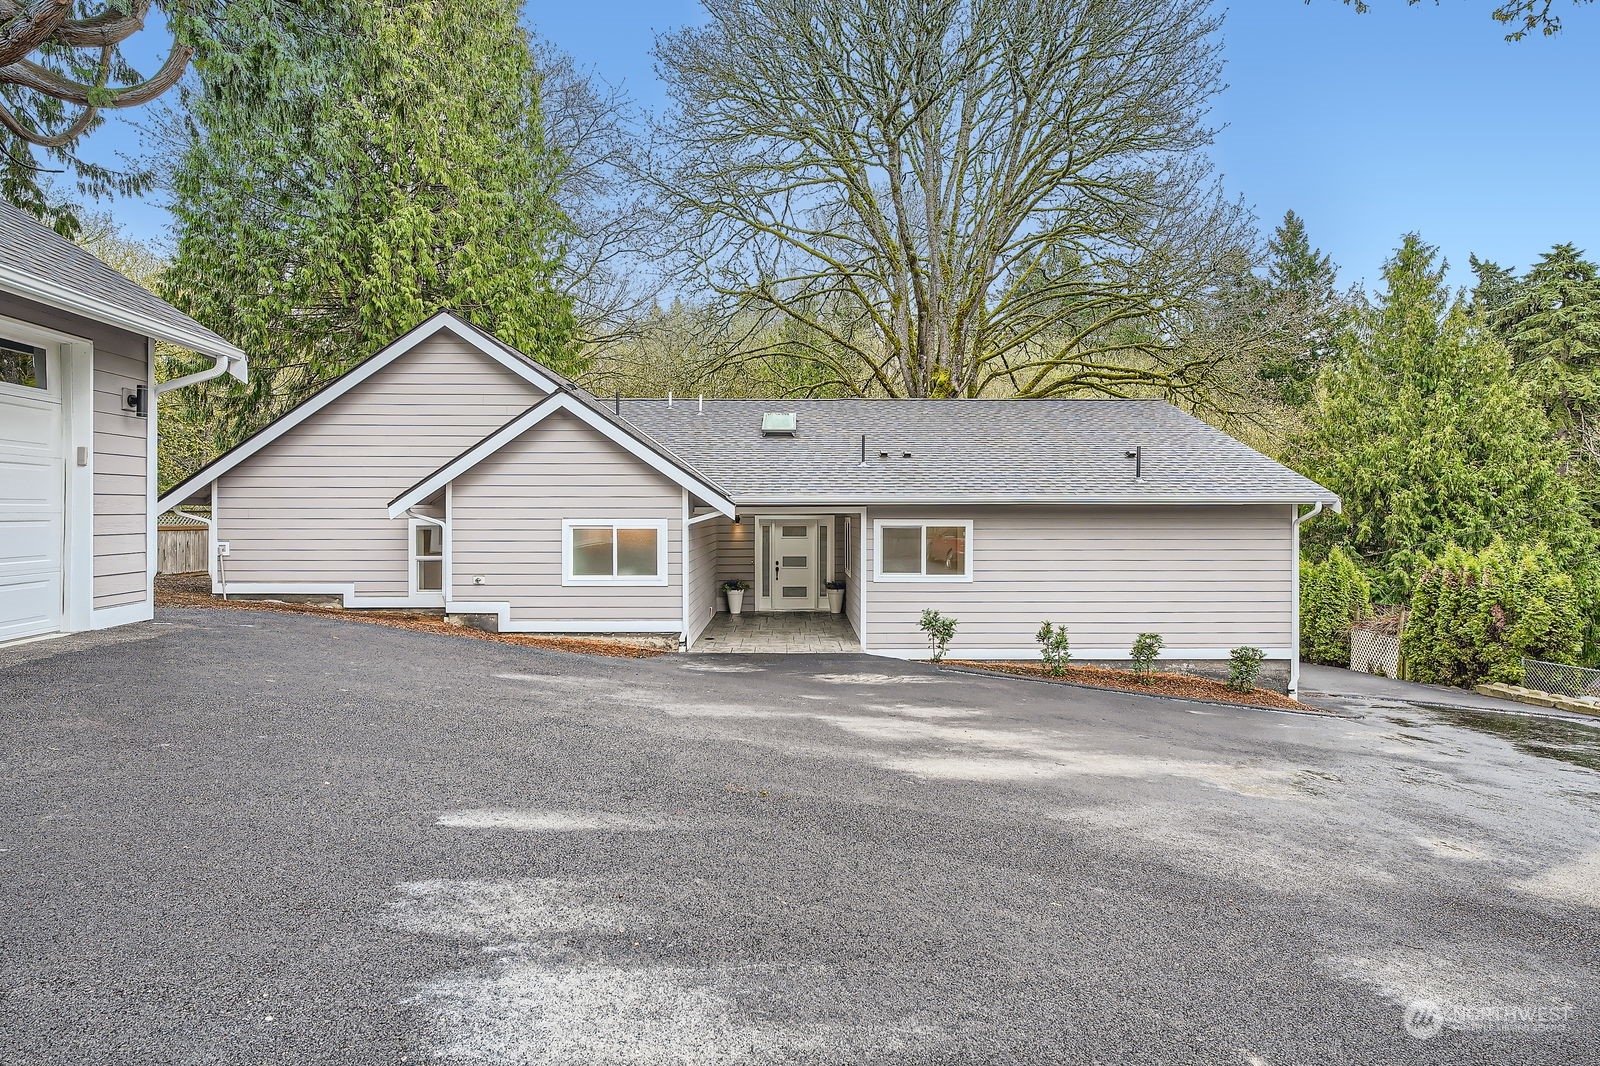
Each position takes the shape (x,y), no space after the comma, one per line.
(1294,597)
(224,364)
(211,546)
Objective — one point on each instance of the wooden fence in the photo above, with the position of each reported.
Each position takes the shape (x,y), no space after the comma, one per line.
(181,549)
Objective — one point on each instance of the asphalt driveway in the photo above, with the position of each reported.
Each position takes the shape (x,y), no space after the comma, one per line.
(240,837)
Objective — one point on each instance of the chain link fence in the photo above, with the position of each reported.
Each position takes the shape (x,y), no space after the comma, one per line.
(1559,679)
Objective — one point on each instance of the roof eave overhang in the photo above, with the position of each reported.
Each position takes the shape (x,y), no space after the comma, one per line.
(752,500)
(41,291)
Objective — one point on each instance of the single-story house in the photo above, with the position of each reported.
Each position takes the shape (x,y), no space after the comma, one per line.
(78,432)
(451,472)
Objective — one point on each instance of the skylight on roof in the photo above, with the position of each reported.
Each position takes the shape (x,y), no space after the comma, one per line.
(779,423)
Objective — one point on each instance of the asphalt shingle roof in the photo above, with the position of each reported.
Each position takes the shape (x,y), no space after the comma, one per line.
(40,257)
(1056,450)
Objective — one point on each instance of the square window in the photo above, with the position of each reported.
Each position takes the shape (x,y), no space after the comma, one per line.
(591,552)
(636,553)
(902,549)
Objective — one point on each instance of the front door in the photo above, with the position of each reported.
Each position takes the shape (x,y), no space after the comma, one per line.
(793,563)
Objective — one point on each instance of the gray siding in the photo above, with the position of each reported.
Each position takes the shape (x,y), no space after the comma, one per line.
(1203,577)
(736,557)
(312,506)
(704,541)
(121,494)
(506,515)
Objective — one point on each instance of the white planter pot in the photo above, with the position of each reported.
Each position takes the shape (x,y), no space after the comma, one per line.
(735,600)
(836,601)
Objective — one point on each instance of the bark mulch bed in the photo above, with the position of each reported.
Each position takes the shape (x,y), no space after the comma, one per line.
(1181,686)
(194,590)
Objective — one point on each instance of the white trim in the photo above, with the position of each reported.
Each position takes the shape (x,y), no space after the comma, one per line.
(338,388)
(683,637)
(865,584)
(557,401)
(77,413)
(151,473)
(849,532)
(705,518)
(81,303)
(502,612)
(616,525)
(107,617)
(1191,499)
(878,524)
(449,542)
(1296,520)
(1031,654)
(412,558)
(346,590)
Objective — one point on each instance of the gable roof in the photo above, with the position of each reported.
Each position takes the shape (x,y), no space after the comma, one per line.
(646,450)
(536,373)
(969,451)
(40,265)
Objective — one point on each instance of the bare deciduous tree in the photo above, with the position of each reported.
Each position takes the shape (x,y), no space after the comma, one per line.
(957,197)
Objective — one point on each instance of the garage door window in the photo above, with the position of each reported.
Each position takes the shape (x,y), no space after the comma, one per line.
(22,365)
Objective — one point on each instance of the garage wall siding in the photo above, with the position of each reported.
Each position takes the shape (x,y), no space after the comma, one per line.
(1202,577)
(312,506)
(506,515)
(121,492)
(704,587)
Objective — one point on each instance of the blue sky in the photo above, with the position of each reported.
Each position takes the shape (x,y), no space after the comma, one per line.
(1406,118)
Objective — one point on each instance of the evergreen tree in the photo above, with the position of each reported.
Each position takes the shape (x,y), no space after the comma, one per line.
(1302,283)
(1430,439)
(1551,323)
(1495,287)
(357,169)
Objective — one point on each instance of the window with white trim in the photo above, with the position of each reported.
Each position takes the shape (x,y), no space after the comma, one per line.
(22,365)
(427,556)
(923,551)
(598,552)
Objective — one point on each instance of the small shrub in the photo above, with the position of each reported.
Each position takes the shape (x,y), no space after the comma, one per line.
(1144,653)
(1244,668)
(941,630)
(736,586)
(835,586)
(1054,648)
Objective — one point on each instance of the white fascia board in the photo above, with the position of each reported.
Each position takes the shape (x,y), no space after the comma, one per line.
(1023,501)
(558,401)
(110,617)
(346,591)
(80,303)
(442,320)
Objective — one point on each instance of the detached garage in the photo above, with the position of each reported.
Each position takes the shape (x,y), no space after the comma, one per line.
(78,432)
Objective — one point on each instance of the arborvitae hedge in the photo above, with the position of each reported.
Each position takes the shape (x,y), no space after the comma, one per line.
(1333,595)
(1474,616)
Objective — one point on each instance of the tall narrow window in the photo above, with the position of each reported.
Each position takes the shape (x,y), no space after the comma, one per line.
(427,557)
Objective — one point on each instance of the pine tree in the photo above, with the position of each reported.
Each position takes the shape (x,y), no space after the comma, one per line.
(1551,323)
(354,171)
(1495,287)
(1302,282)
(1430,439)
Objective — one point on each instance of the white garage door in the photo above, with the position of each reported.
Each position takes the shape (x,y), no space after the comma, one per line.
(32,491)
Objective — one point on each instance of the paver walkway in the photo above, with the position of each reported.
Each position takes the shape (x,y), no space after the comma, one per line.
(793,632)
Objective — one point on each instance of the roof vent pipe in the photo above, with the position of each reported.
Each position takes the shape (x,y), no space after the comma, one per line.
(1137,455)
(669,397)
(619,403)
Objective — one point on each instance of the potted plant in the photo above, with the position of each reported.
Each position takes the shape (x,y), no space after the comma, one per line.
(835,596)
(735,591)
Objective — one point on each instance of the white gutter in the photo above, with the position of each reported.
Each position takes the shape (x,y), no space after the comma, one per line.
(44,291)
(211,546)
(1294,596)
